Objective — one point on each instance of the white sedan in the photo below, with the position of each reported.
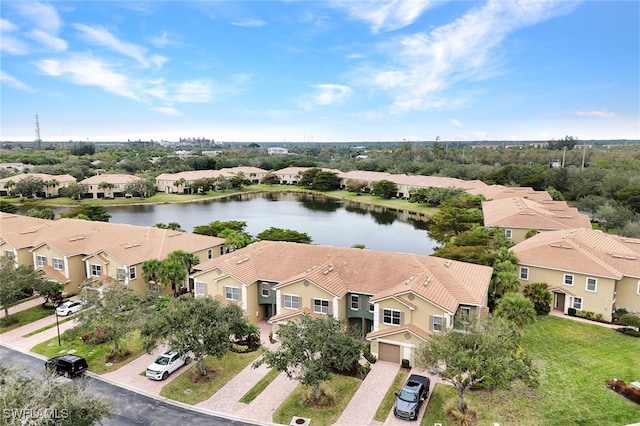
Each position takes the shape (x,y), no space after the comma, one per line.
(68,308)
(166,364)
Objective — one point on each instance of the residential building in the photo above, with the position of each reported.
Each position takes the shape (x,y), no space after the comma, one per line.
(585,269)
(397,300)
(517,216)
(108,185)
(51,183)
(277,151)
(179,183)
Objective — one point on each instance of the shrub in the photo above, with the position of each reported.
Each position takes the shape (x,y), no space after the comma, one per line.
(366,352)
(468,418)
(599,317)
(586,314)
(327,397)
(364,369)
(630,392)
(405,363)
(572,312)
(239,348)
(96,338)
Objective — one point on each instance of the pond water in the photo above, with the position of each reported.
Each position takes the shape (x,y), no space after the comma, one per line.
(326,220)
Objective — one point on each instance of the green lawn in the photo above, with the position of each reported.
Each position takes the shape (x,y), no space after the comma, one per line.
(390,397)
(574,359)
(25,317)
(184,390)
(343,386)
(94,354)
(47,327)
(260,386)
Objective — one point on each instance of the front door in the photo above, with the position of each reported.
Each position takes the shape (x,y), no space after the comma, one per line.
(558,302)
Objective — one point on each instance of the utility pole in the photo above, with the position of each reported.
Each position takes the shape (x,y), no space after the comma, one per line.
(38,140)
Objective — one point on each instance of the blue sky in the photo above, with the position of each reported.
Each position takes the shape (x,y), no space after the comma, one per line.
(320,71)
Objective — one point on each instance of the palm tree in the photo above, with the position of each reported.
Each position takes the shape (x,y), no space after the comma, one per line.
(234,240)
(540,296)
(151,270)
(516,308)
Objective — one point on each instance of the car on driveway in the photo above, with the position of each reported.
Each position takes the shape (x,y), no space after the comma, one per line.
(68,308)
(166,364)
(410,398)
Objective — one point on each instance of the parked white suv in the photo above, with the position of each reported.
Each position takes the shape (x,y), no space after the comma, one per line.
(166,364)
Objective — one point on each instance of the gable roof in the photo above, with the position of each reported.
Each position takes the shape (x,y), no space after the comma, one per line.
(110,178)
(583,251)
(517,212)
(341,270)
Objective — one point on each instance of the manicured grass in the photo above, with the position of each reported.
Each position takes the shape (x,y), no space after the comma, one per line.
(574,360)
(184,390)
(389,398)
(47,327)
(343,386)
(440,396)
(25,317)
(94,354)
(260,386)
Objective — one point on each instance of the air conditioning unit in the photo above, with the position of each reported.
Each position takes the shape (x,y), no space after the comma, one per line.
(300,421)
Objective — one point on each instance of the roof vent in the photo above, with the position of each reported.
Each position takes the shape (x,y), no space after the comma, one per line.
(76,238)
(426,281)
(128,246)
(447,263)
(244,259)
(327,270)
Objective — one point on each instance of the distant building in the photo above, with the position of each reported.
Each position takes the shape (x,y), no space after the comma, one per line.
(277,151)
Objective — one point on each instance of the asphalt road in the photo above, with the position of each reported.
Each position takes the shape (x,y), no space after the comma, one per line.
(129,408)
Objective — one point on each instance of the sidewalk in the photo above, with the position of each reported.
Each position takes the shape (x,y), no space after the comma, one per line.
(559,314)
(22,306)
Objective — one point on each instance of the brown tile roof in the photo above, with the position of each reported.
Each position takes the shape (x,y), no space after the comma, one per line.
(54,274)
(583,251)
(110,178)
(341,270)
(44,176)
(523,213)
(498,192)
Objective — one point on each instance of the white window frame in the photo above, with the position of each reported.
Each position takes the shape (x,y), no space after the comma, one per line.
(571,280)
(355,298)
(372,306)
(321,306)
(265,286)
(291,301)
(508,233)
(121,274)
(201,288)
(589,280)
(391,313)
(440,326)
(231,293)
(133,273)
(524,273)
(210,254)
(95,270)
(41,261)
(638,292)
(57,263)
(573,304)
(9,253)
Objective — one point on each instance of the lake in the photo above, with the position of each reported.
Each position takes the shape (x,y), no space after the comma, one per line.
(326,220)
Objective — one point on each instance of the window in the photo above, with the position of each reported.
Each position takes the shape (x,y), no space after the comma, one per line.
(153,286)
(232,293)
(41,261)
(371,307)
(508,233)
(210,254)
(638,287)
(121,274)
(9,254)
(320,306)
(524,273)
(96,270)
(577,303)
(465,314)
(265,289)
(291,301)
(222,250)
(391,316)
(355,302)
(132,273)
(201,288)
(436,324)
(58,264)
(592,284)
(568,279)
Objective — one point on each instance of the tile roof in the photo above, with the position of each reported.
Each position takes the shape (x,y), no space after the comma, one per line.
(341,270)
(517,212)
(110,178)
(583,251)
(44,176)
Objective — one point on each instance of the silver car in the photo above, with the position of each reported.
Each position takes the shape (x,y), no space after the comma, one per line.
(68,308)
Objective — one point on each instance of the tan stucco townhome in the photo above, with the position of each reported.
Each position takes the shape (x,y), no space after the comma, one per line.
(517,216)
(51,188)
(585,269)
(108,185)
(397,300)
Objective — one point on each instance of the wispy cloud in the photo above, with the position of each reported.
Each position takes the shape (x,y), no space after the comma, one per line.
(41,24)
(193,91)
(426,65)
(41,15)
(51,42)
(15,83)
(455,122)
(103,37)
(253,23)
(386,15)
(167,110)
(328,94)
(89,71)
(7,26)
(597,114)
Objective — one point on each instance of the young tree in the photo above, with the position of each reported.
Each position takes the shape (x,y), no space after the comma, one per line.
(540,296)
(13,280)
(516,308)
(485,351)
(312,348)
(66,403)
(201,325)
(356,186)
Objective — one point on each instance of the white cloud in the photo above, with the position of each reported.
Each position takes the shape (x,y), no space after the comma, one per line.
(52,42)
(13,46)
(193,91)
(252,23)
(456,123)
(167,110)
(103,37)
(386,15)
(88,71)
(7,26)
(426,65)
(161,41)
(598,114)
(15,83)
(42,16)
(327,94)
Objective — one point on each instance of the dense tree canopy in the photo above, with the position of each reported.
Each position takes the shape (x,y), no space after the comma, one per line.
(279,234)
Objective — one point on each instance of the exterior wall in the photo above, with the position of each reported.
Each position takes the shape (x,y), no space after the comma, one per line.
(628,294)
(307,291)
(253,311)
(598,302)
(393,304)
(518,235)
(408,343)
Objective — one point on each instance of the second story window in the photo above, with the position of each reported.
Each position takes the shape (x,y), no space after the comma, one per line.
(436,323)
(524,273)
(264,289)
(391,317)
(355,302)
(58,264)
(96,270)
(121,274)
(41,261)
(232,293)
(592,284)
(291,301)
(133,274)
(320,306)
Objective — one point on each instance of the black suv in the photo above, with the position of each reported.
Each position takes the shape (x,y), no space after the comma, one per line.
(67,365)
